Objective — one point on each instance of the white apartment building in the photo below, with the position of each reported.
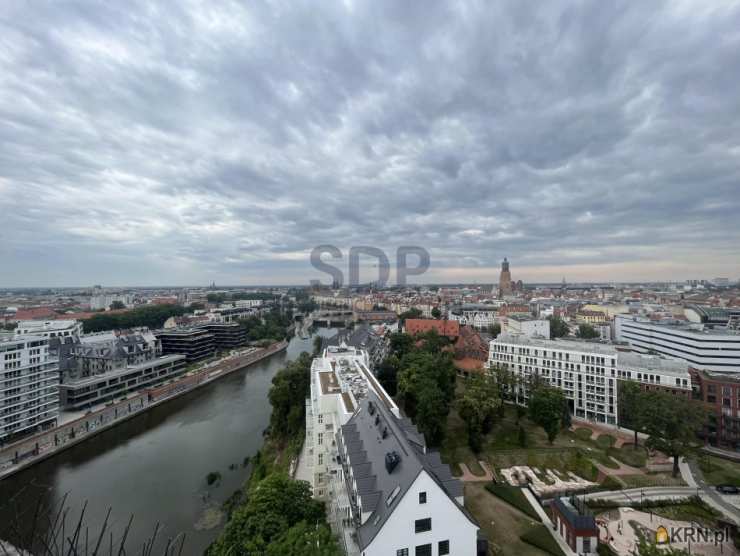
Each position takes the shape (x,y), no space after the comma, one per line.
(586,372)
(49,328)
(385,493)
(29,376)
(713,348)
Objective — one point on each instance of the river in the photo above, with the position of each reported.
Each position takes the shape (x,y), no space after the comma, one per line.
(154,466)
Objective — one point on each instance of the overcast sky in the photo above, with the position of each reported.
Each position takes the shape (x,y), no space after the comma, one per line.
(188,142)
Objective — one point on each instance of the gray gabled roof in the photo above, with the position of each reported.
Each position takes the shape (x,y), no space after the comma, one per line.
(362,437)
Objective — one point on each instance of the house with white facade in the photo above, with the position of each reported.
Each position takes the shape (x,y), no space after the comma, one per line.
(386,493)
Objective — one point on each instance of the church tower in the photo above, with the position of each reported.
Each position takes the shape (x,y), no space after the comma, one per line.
(504,282)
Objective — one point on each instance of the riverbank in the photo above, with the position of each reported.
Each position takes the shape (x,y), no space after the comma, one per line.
(20,455)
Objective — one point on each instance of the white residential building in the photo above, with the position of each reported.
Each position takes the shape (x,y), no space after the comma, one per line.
(29,377)
(709,347)
(386,493)
(586,372)
(49,328)
(105,300)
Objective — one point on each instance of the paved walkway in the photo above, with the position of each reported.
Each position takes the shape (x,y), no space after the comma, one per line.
(468,476)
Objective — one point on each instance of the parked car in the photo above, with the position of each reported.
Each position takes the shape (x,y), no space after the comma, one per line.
(728,489)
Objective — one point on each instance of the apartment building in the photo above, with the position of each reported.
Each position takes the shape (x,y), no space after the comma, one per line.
(29,375)
(106,366)
(588,373)
(705,346)
(385,492)
(49,328)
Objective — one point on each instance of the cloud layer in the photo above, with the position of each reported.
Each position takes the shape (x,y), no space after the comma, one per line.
(180,143)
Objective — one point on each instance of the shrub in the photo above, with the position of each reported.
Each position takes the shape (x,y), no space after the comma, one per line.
(213,477)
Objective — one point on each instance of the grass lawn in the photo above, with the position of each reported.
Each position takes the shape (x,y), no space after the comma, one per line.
(515,497)
(571,450)
(540,537)
(651,480)
(501,523)
(718,471)
(696,510)
(629,455)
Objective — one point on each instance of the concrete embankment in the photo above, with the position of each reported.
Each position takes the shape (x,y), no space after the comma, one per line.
(24,453)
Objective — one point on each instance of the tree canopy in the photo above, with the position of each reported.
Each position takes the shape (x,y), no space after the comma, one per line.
(546,409)
(478,406)
(290,387)
(279,518)
(587,332)
(558,327)
(671,423)
(151,316)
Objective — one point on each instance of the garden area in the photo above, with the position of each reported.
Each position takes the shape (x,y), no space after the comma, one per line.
(718,471)
(505,524)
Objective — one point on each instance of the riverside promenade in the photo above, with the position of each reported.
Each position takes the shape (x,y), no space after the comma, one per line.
(24,453)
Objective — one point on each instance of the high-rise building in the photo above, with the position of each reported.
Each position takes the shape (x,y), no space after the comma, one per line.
(29,376)
(504,281)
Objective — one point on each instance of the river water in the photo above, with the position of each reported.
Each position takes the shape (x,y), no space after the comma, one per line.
(154,466)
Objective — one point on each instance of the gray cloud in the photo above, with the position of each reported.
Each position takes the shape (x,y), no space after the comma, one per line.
(179,143)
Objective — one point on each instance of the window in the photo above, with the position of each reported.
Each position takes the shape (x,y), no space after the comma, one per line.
(422,498)
(444,548)
(424,550)
(423,525)
(402,552)
(321,438)
(321,459)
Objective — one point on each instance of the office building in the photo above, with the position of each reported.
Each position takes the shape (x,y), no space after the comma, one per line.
(525,324)
(195,343)
(386,492)
(226,335)
(708,347)
(29,376)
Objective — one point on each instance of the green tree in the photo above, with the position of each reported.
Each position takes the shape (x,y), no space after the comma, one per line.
(117,305)
(431,411)
(290,387)
(631,405)
(558,327)
(274,506)
(478,407)
(412,313)
(388,374)
(587,332)
(317,344)
(304,539)
(401,344)
(546,409)
(436,313)
(495,329)
(151,316)
(671,423)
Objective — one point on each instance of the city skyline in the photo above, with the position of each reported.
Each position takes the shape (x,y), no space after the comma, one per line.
(224,143)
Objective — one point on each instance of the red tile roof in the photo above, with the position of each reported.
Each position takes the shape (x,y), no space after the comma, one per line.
(449,328)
